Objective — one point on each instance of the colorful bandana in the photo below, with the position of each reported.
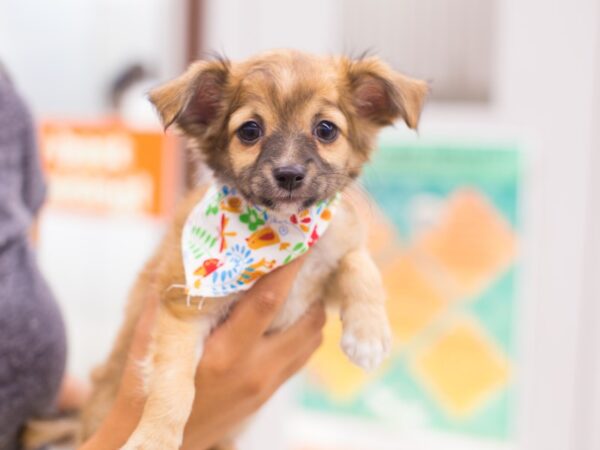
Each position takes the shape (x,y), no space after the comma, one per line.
(228,243)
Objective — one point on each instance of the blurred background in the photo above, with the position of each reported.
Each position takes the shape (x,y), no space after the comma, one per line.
(488,219)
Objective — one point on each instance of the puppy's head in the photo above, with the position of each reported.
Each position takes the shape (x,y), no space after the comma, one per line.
(287,128)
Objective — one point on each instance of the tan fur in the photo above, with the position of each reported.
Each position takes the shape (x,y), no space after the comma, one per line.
(285,90)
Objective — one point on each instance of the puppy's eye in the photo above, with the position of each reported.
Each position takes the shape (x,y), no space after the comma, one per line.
(326,131)
(249,132)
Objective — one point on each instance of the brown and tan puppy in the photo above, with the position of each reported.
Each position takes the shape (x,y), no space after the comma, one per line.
(311,118)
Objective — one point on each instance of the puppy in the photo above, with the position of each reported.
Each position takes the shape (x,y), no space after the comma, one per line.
(286,130)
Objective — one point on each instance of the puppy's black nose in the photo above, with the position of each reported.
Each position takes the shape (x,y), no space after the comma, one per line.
(289,177)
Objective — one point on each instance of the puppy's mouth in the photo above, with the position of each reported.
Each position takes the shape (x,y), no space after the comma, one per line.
(287,202)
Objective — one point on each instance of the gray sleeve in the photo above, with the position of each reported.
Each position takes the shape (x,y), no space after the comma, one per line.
(34,185)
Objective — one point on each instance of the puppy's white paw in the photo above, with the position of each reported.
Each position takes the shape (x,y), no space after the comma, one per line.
(365,347)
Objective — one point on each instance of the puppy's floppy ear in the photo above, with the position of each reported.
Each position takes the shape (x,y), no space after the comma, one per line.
(193,100)
(382,95)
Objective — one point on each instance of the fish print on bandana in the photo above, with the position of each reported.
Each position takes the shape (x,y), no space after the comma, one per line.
(228,243)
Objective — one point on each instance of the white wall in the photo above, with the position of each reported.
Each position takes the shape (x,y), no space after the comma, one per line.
(587,432)
(240,28)
(546,77)
(64,53)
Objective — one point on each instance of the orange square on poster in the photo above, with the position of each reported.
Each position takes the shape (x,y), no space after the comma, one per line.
(107,168)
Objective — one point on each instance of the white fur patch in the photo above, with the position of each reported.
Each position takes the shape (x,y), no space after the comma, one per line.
(145,368)
(366,353)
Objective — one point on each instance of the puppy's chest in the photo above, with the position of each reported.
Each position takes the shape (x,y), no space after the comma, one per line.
(317,272)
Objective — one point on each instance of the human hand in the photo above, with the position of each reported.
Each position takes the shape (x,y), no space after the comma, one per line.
(240,369)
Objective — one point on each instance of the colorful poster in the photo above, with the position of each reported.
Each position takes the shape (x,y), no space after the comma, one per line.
(445,236)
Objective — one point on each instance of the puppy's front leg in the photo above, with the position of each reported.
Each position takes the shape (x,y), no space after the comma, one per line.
(366,335)
(172,360)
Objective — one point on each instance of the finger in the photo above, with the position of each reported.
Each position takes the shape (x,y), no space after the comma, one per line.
(256,310)
(301,357)
(309,325)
